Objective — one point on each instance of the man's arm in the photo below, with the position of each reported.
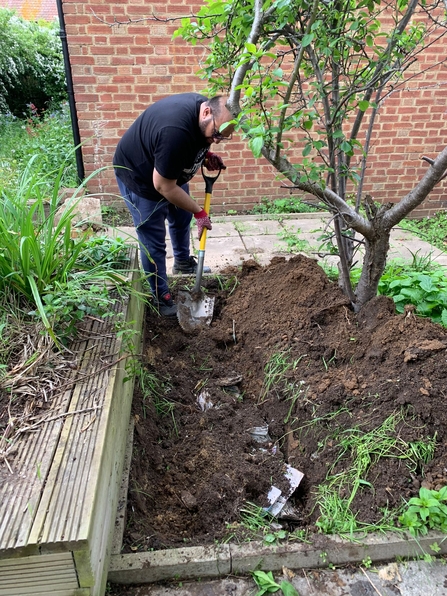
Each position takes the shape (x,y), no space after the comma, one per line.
(174,194)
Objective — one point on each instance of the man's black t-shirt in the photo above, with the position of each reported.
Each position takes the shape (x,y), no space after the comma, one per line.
(166,136)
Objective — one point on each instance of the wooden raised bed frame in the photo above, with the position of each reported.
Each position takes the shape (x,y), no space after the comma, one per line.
(58,507)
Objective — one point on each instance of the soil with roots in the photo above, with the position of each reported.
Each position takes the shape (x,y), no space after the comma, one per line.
(286,375)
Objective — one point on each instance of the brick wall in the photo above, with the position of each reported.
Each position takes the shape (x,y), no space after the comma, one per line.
(119,69)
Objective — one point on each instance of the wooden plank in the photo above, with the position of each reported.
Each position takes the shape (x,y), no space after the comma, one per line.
(59,558)
(76,505)
(110,458)
(20,495)
(35,575)
(120,521)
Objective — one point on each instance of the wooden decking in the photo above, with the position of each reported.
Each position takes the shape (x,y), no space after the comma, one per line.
(58,506)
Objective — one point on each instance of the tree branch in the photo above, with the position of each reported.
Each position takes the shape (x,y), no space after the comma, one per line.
(233,103)
(416,196)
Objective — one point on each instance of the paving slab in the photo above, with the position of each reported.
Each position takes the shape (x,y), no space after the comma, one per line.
(234,239)
(412,578)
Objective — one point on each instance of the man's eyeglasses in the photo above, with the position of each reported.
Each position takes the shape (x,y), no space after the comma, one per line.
(218,136)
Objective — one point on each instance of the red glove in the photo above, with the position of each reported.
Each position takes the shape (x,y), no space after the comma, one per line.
(214,162)
(203,221)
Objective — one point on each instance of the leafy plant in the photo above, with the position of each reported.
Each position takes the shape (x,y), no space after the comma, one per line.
(267,584)
(42,144)
(40,260)
(31,64)
(294,243)
(286,205)
(98,250)
(426,512)
(432,229)
(426,290)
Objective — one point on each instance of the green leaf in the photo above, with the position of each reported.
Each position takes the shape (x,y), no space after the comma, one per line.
(250,47)
(426,283)
(256,144)
(307,39)
(288,589)
(363,105)
(307,149)
(269,538)
(265,581)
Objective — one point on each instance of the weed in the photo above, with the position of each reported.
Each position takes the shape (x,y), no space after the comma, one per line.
(240,227)
(330,361)
(267,584)
(275,537)
(255,518)
(426,512)
(155,389)
(433,229)
(344,481)
(294,391)
(275,372)
(294,244)
(287,205)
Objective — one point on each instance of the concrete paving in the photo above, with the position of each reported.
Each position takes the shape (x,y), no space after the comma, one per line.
(413,578)
(235,239)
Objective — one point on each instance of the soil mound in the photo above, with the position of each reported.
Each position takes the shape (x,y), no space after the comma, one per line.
(285,353)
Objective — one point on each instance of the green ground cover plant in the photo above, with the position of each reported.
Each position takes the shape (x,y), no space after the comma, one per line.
(48,263)
(40,144)
(432,229)
(279,206)
(420,282)
(426,512)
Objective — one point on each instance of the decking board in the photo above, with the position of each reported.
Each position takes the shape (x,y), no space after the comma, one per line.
(63,515)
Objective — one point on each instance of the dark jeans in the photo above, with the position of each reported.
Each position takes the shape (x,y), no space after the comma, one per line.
(149,218)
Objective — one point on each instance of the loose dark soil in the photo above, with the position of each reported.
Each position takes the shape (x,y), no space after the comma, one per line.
(190,478)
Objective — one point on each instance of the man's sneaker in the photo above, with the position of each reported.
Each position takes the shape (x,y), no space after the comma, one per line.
(188,267)
(165,305)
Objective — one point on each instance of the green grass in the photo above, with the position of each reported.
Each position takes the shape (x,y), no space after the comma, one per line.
(46,140)
(278,206)
(432,229)
(358,451)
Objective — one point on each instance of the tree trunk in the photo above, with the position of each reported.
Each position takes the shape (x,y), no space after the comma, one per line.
(374,262)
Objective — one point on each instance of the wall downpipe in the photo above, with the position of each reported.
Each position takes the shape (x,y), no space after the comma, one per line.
(71,96)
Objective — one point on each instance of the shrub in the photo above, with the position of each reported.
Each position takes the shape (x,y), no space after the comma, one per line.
(31,64)
(47,140)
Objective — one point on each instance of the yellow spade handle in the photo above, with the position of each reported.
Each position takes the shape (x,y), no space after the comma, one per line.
(206,206)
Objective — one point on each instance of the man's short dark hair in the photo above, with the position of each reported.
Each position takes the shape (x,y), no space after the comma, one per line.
(216,104)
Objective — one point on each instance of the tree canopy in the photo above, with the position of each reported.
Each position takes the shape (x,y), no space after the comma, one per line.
(313,76)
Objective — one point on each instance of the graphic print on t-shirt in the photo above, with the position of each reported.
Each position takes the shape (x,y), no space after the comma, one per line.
(189,173)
